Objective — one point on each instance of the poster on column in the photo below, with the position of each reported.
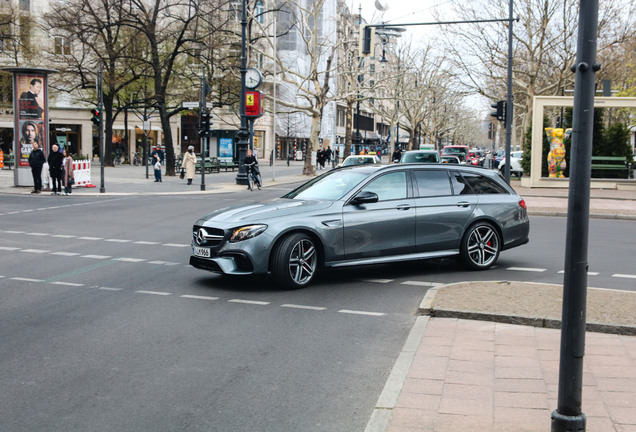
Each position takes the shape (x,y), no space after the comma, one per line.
(31,115)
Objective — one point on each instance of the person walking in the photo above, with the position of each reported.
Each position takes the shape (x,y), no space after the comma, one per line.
(36,160)
(157,160)
(68,176)
(189,163)
(55,161)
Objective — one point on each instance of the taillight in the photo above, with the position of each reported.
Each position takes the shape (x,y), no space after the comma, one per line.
(522,204)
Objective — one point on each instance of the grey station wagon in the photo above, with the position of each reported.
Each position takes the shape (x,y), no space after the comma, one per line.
(365,215)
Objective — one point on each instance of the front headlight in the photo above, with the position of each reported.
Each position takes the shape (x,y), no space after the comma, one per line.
(247,232)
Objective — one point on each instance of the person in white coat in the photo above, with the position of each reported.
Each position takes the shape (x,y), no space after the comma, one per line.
(189,163)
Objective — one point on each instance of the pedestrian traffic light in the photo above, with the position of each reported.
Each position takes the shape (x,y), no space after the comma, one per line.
(367,34)
(500,112)
(97,117)
(204,124)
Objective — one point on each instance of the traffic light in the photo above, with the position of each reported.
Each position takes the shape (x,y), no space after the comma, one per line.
(204,124)
(97,117)
(366,40)
(500,112)
(491,131)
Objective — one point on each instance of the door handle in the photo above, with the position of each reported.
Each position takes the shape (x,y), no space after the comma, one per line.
(403,207)
(463,204)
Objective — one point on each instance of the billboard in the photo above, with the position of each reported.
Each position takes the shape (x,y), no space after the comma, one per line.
(31,114)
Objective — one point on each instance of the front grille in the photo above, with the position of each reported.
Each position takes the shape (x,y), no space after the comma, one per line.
(206,236)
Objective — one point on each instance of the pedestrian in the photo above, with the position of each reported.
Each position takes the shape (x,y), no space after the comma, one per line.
(157,159)
(36,160)
(55,161)
(68,174)
(189,163)
(397,155)
(328,154)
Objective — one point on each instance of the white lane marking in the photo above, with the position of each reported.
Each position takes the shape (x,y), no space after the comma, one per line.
(377,280)
(124,259)
(421,283)
(527,269)
(163,263)
(147,243)
(295,306)
(27,279)
(355,312)
(588,273)
(252,302)
(12,213)
(619,275)
(65,253)
(67,284)
(154,293)
(90,238)
(37,251)
(14,232)
(96,256)
(175,245)
(117,240)
(110,289)
(37,234)
(7,248)
(63,236)
(195,297)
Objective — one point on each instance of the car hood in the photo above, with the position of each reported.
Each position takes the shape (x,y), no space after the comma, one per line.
(263,211)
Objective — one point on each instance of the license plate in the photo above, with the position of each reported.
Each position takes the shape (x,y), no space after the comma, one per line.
(202,252)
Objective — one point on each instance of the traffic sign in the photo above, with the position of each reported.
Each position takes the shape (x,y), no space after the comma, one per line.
(195,105)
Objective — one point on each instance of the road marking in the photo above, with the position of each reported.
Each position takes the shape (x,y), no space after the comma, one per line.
(96,256)
(252,302)
(154,293)
(7,248)
(90,238)
(27,279)
(65,253)
(527,269)
(588,273)
(354,312)
(147,243)
(377,280)
(124,259)
(110,289)
(295,306)
(175,245)
(619,275)
(37,251)
(37,234)
(421,283)
(68,284)
(63,236)
(117,240)
(163,263)
(15,232)
(196,297)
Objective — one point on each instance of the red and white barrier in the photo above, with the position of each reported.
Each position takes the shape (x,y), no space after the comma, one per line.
(82,173)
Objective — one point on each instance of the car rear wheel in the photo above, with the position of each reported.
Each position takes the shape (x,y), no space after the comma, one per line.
(480,246)
(294,261)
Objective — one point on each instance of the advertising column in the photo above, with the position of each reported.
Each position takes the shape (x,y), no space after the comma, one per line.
(31,125)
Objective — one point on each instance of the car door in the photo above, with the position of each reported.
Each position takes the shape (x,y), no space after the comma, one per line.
(385,227)
(443,206)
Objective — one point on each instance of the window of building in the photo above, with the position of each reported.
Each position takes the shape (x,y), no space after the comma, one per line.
(258,12)
(62,46)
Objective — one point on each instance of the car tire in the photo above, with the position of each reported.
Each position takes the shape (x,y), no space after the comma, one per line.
(480,246)
(295,261)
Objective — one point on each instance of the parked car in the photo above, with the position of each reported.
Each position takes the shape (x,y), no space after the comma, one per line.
(416,156)
(515,165)
(455,149)
(449,159)
(360,160)
(369,214)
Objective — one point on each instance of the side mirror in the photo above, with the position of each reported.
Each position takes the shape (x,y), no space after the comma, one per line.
(365,197)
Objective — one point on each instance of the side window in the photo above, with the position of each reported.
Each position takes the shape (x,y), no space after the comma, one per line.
(389,186)
(432,183)
(483,185)
(460,185)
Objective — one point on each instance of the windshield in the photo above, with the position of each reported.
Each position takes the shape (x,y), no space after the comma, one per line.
(330,186)
(359,160)
(453,150)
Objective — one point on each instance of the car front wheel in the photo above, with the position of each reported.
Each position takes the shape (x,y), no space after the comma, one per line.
(294,261)
(480,246)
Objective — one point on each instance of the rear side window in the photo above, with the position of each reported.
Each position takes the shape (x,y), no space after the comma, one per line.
(483,185)
(460,185)
(432,183)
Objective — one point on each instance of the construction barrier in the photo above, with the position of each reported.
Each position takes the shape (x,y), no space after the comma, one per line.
(82,173)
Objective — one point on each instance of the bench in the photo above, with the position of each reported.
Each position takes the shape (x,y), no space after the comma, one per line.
(8,162)
(228,165)
(211,165)
(616,164)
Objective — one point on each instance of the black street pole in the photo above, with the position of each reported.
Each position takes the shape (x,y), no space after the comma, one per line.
(243,133)
(568,417)
(100,107)
(204,137)
(509,107)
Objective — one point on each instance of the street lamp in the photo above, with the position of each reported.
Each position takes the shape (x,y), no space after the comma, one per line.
(243,133)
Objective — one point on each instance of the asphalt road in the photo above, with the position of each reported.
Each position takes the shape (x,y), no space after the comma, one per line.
(104,326)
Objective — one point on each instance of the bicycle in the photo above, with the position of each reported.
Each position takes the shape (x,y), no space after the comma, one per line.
(253,176)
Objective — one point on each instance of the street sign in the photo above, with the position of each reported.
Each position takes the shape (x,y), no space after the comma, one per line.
(195,105)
